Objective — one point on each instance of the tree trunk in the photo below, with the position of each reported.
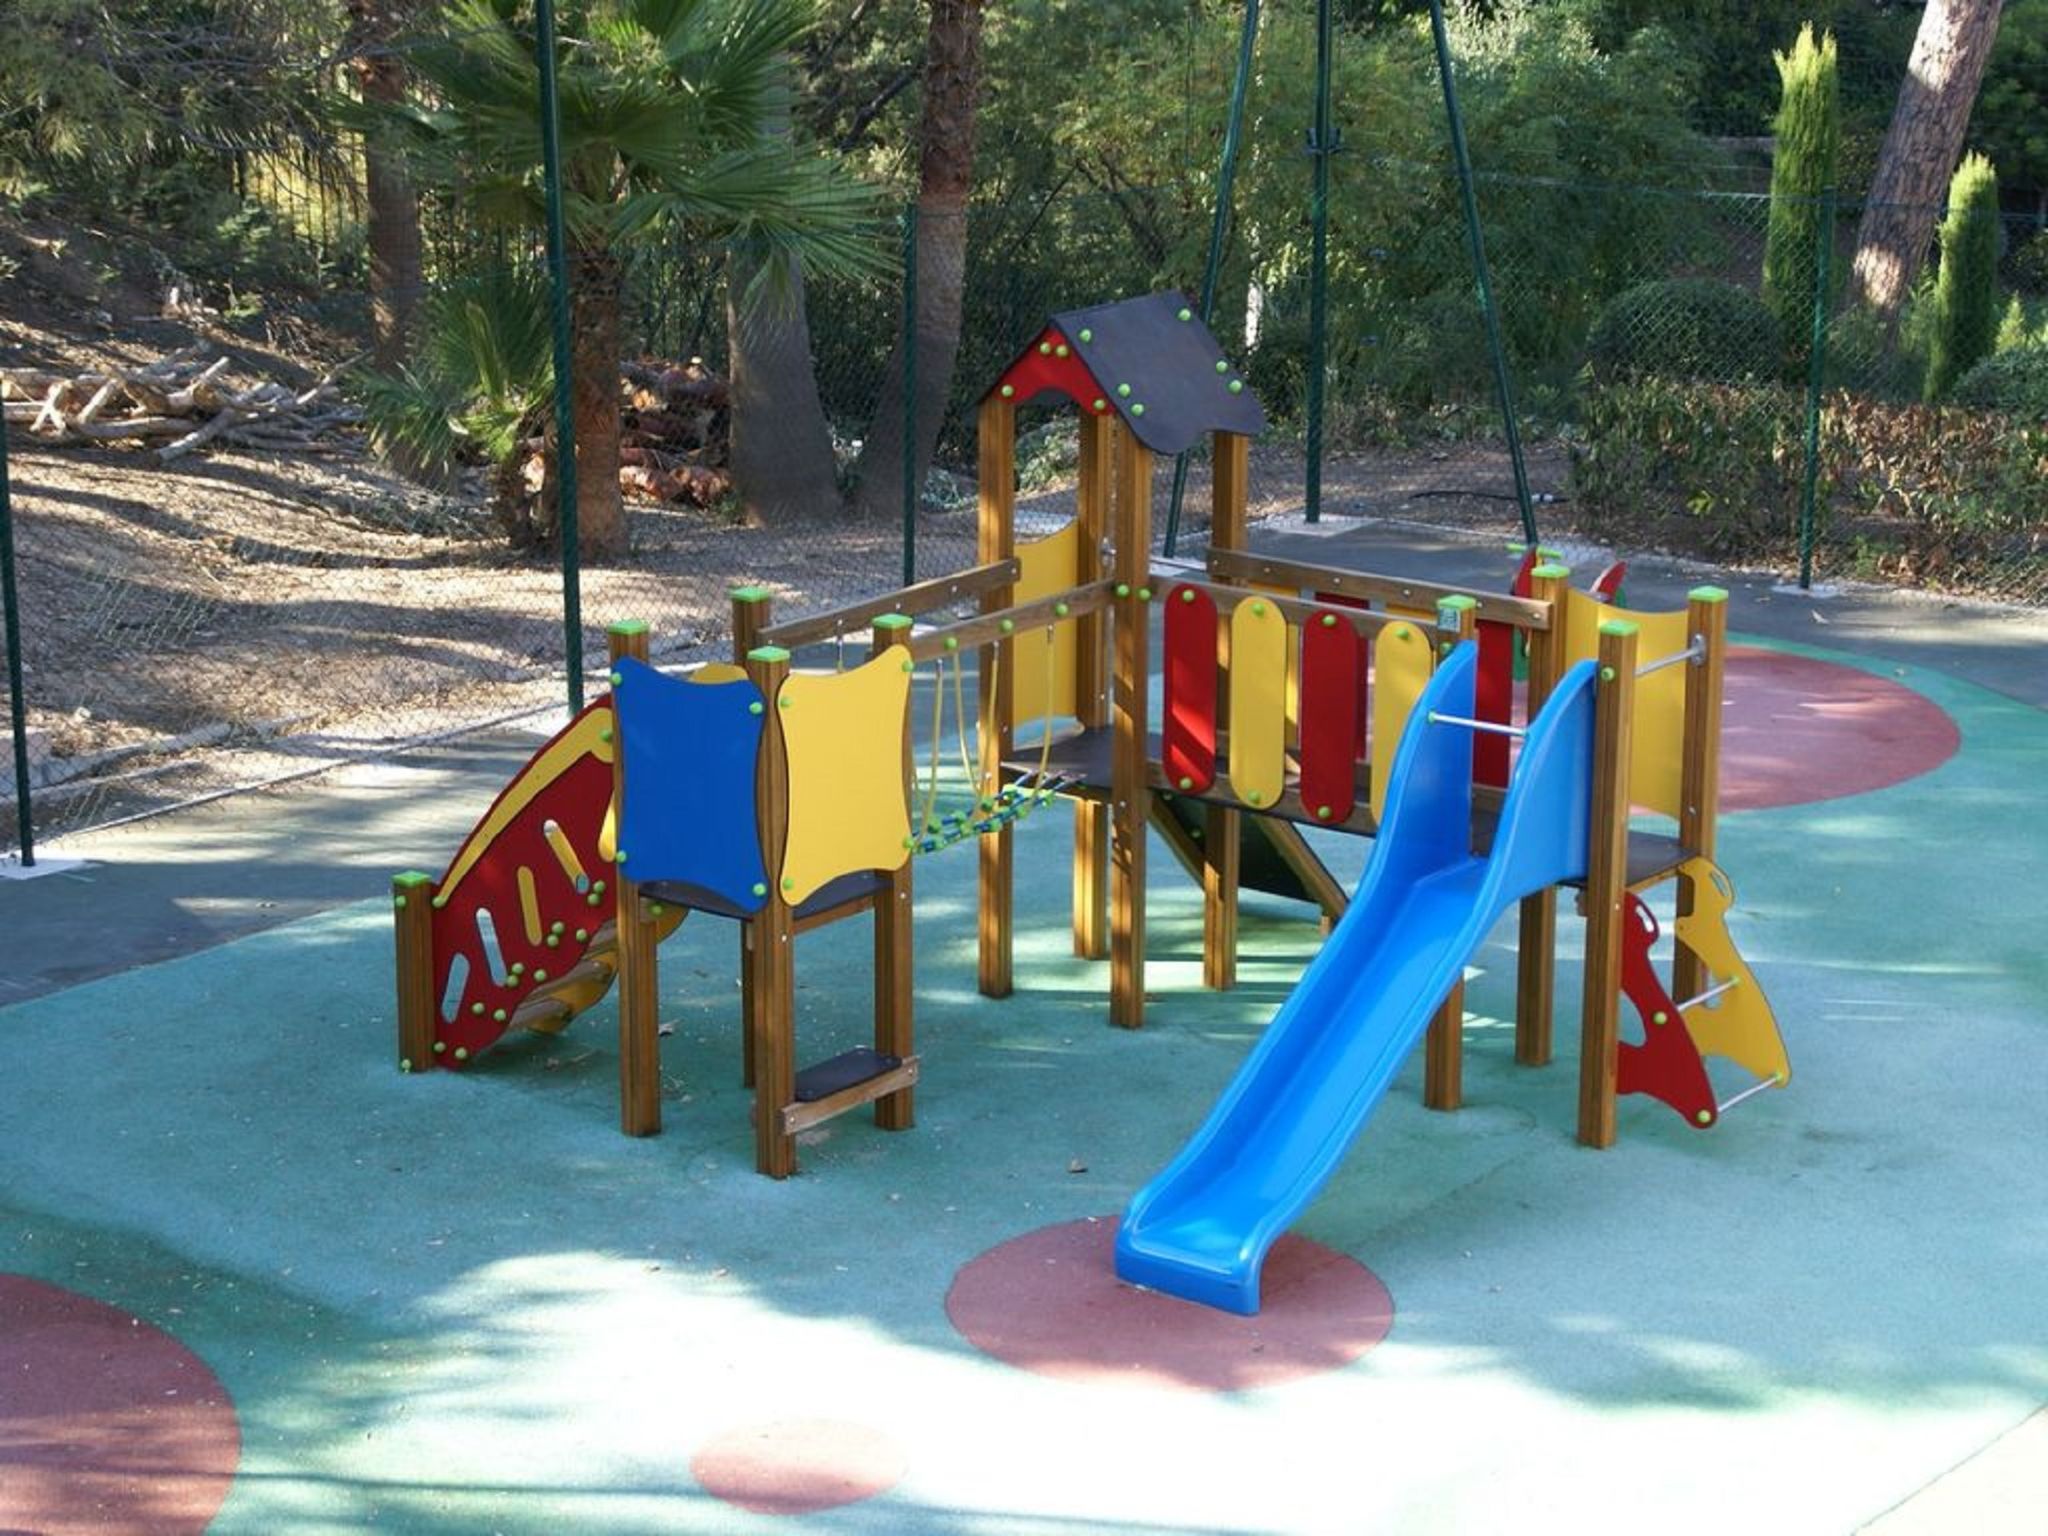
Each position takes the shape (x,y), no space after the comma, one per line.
(1920,150)
(594,356)
(781,446)
(952,84)
(391,210)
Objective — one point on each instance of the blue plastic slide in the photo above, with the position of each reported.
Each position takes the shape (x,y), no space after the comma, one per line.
(1201,1229)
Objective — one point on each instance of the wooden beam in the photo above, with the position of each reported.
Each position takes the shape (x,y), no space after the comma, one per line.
(995,541)
(1443,1066)
(998,624)
(1536,948)
(1090,902)
(1130,791)
(752,608)
(1298,611)
(1419,596)
(412,913)
(894,1034)
(1700,774)
(1222,876)
(770,957)
(925,597)
(639,973)
(1606,882)
(1229,489)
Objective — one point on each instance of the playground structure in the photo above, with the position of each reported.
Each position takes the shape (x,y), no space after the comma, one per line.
(1293,696)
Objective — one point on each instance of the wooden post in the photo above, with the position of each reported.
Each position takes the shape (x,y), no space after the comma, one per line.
(639,974)
(1222,833)
(1606,881)
(412,913)
(1536,948)
(1130,793)
(1443,1051)
(752,611)
(1706,613)
(772,1017)
(996,539)
(894,1034)
(1091,817)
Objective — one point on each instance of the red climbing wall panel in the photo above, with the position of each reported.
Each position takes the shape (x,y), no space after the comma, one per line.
(1666,1065)
(1188,732)
(533,869)
(1332,716)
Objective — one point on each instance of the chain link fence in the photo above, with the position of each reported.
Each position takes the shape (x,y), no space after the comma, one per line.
(237,617)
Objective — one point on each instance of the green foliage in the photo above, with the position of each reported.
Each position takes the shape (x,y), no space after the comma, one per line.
(1687,328)
(2010,122)
(482,369)
(1966,289)
(1807,132)
(2014,380)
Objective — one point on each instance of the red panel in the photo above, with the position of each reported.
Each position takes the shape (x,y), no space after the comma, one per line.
(1332,716)
(1666,1065)
(1189,730)
(1050,363)
(1494,699)
(1524,573)
(575,802)
(1338,600)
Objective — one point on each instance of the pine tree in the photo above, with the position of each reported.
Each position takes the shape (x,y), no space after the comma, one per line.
(1808,131)
(1966,288)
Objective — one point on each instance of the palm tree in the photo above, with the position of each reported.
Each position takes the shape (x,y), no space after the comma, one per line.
(663,109)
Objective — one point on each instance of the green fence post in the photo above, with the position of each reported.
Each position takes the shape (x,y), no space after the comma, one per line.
(1816,376)
(17,699)
(558,285)
(1219,225)
(1503,385)
(910,464)
(1322,143)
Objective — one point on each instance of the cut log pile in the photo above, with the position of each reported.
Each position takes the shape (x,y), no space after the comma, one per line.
(181,400)
(674,432)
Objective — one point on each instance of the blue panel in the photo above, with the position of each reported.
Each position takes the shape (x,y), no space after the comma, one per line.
(1201,1229)
(690,751)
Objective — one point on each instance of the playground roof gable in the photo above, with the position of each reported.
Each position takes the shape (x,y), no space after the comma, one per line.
(1149,360)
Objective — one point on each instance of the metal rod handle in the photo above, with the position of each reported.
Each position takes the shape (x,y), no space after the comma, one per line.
(1750,1092)
(1710,994)
(1492,728)
(1695,651)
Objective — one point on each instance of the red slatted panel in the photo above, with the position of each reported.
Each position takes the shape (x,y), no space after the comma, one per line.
(1338,600)
(1332,716)
(1189,729)
(1494,699)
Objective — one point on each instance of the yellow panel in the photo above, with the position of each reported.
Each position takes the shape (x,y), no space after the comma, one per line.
(716,672)
(590,735)
(1739,1024)
(1049,565)
(1258,702)
(1657,766)
(849,802)
(1401,664)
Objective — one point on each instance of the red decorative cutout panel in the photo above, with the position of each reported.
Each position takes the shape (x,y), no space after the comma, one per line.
(1666,1065)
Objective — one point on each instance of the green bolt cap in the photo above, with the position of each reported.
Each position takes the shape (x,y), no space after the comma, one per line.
(398,901)
(1144,594)
(605,735)
(1222,366)
(599,887)
(1329,621)
(754,708)
(554,941)
(557,927)
(1123,390)
(440,902)
(1009,391)
(1187,594)
(1657,1017)
(1256,798)
(1607,674)
(1123,589)
(582,935)
(616,679)
(1086,334)
(1187,314)
(1258,610)
(1322,813)
(1704,1116)
(910,666)
(440,1047)
(1101,404)
(1007,625)
(405,1063)
(1186,782)
(1062,350)
(760,889)
(1237,386)
(1060,609)
(462,1053)
(788,883)
(540,975)
(1045,349)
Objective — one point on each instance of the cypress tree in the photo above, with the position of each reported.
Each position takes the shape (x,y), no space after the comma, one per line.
(1807,132)
(1966,288)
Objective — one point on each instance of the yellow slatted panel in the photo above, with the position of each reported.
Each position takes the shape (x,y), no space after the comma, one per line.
(1739,1024)
(849,805)
(1400,670)
(1657,765)
(1258,702)
(1049,565)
